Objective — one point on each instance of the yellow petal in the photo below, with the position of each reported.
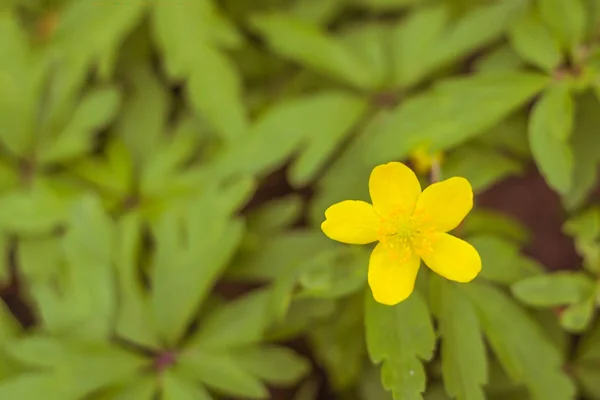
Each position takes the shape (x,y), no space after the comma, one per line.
(445,204)
(453,258)
(391,275)
(351,221)
(394,188)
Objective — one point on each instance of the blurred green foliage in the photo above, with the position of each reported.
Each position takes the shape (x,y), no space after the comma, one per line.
(138,140)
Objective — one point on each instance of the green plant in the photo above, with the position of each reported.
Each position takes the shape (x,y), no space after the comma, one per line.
(165,166)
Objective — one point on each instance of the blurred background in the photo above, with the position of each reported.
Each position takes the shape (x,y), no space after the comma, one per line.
(165,166)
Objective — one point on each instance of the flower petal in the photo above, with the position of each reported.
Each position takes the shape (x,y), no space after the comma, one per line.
(453,258)
(394,188)
(351,221)
(445,204)
(391,276)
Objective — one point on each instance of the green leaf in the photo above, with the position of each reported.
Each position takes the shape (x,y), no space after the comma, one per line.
(9,327)
(143,114)
(317,122)
(276,255)
(133,319)
(8,368)
(559,288)
(275,215)
(478,27)
(120,167)
(39,258)
(80,368)
(141,388)
(284,288)
(436,392)
(487,221)
(309,390)
(89,236)
(567,20)
(14,39)
(237,323)
(178,388)
(88,247)
(160,174)
(524,351)
(400,337)
(426,41)
(587,361)
(588,377)
(34,211)
(307,44)
(298,316)
(223,32)
(22,78)
(464,358)
(90,367)
(9,176)
(318,12)
(334,273)
(546,318)
(344,111)
(96,110)
(370,386)
(183,271)
(186,35)
(38,351)
(550,127)
(481,167)
(215,91)
(593,17)
(277,365)
(577,317)
(89,32)
(436,117)
(558,102)
(585,225)
(584,141)
(534,42)
(107,64)
(501,259)
(338,342)
(78,299)
(501,58)
(222,373)
(501,386)
(385,5)
(62,96)
(588,349)
(369,41)
(509,136)
(112,174)
(584,228)
(34,385)
(179,27)
(5,248)
(4,264)
(62,184)
(414,41)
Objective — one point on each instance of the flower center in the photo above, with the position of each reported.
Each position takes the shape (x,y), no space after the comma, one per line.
(406,235)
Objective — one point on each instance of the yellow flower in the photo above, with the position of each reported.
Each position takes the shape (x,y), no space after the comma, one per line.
(409,225)
(423,160)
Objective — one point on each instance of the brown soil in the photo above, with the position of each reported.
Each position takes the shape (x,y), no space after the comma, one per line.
(530,201)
